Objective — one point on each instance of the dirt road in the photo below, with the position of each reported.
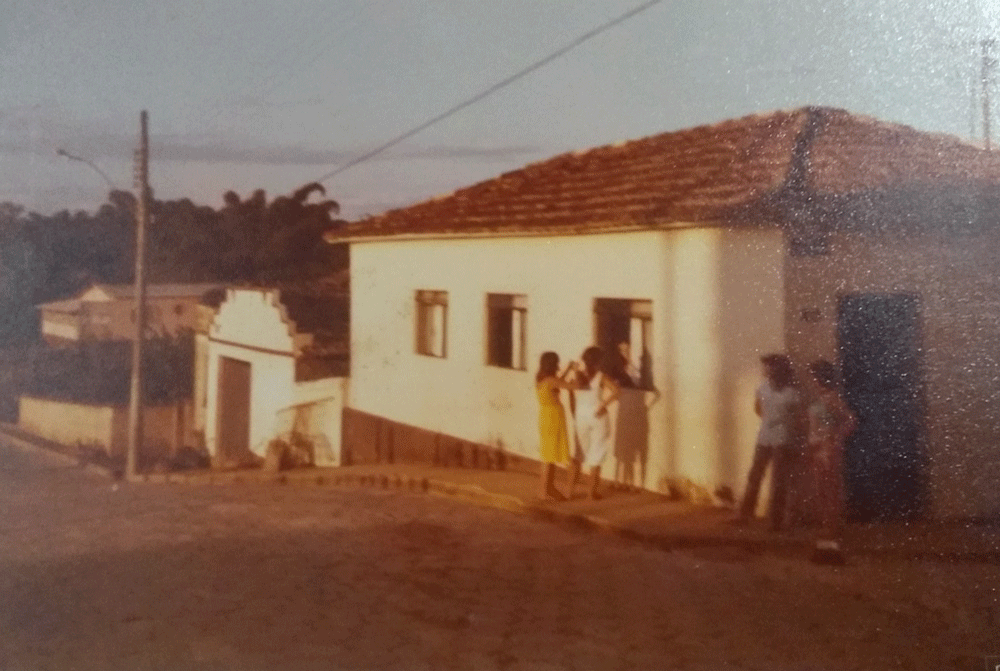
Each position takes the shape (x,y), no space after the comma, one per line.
(98,576)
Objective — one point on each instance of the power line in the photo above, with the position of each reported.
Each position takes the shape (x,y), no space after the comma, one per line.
(491,90)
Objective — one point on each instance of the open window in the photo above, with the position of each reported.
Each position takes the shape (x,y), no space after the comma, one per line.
(506,330)
(621,322)
(432,323)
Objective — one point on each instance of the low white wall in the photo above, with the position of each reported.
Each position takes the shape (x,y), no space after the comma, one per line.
(66,423)
(71,423)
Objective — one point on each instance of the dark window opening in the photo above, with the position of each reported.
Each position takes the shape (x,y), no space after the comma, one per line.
(627,324)
(506,329)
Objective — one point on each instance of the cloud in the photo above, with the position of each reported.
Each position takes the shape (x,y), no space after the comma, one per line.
(26,132)
(230,152)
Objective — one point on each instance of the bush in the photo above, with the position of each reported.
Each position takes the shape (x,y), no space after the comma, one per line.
(99,372)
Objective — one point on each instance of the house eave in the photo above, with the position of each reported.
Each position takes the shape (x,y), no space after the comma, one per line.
(533,232)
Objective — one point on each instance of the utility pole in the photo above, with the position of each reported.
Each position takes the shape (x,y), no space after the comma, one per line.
(988,64)
(135,435)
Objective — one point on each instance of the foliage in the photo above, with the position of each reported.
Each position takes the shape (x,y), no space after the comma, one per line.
(99,372)
(44,258)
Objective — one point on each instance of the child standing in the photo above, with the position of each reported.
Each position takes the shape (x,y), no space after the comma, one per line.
(830,423)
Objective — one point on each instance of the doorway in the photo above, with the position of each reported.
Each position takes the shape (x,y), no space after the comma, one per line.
(234,409)
(880,353)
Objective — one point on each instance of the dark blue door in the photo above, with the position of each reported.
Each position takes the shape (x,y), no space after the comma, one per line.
(880,353)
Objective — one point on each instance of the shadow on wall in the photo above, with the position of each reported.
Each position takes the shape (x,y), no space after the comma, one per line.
(631,437)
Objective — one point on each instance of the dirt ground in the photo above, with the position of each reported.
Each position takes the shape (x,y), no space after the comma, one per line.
(99,576)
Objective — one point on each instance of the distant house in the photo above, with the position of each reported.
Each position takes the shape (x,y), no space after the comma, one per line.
(813,231)
(107,312)
(274,365)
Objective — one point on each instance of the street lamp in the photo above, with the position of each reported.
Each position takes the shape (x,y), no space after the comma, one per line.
(141,215)
(71,157)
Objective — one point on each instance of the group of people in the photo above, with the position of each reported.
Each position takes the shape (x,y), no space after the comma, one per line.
(595,383)
(802,433)
(797,424)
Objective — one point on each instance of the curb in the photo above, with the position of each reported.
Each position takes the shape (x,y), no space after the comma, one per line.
(474,494)
(32,447)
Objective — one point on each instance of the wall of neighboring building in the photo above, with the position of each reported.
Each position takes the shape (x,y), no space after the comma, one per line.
(248,327)
(717,305)
(115,320)
(955,280)
(205,314)
(59,326)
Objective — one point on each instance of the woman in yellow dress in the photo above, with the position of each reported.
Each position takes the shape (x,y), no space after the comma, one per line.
(552,433)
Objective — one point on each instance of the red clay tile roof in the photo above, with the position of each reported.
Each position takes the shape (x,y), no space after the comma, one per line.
(693,176)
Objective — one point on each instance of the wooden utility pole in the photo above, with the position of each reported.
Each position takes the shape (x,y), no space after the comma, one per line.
(988,64)
(136,400)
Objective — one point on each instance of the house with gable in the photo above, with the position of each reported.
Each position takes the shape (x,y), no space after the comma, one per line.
(271,364)
(813,231)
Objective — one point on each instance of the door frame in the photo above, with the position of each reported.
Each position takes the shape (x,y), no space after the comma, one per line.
(220,407)
(919,386)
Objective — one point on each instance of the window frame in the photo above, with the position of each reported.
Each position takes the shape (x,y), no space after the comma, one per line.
(427,302)
(632,309)
(514,305)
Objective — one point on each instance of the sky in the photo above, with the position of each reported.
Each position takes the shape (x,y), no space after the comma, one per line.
(247,94)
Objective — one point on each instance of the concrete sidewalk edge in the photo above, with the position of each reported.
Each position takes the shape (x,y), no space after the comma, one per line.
(782,546)
(666,541)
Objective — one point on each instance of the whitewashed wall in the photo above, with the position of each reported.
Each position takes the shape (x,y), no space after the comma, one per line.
(317,414)
(60,325)
(250,327)
(717,305)
(70,423)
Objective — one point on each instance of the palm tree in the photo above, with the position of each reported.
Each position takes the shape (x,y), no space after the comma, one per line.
(282,240)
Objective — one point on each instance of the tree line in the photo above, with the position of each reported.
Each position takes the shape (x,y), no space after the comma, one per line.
(252,240)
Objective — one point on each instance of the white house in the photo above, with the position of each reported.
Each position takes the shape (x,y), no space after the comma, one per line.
(107,312)
(812,231)
(274,366)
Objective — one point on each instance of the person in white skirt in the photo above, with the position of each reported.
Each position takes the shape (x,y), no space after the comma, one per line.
(595,392)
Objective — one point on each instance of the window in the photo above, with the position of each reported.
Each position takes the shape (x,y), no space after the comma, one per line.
(432,321)
(619,321)
(505,330)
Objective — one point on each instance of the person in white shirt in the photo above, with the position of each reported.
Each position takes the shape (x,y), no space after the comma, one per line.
(595,390)
(779,406)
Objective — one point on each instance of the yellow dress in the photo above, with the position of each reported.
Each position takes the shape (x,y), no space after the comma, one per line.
(553,439)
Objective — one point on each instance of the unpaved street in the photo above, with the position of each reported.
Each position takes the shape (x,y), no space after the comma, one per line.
(273,577)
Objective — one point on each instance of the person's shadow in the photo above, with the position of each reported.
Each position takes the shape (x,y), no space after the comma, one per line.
(631,439)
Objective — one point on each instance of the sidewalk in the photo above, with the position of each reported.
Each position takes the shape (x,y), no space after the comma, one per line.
(636,515)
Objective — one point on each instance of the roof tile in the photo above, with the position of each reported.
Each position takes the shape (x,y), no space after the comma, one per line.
(693,175)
